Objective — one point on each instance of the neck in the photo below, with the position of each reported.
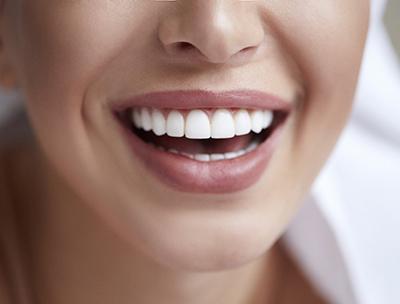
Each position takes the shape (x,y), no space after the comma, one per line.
(77,258)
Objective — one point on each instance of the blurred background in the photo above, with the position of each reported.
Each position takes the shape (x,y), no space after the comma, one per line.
(392,21)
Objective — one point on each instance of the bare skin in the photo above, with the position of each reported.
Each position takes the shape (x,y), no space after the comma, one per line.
(98,227)
(277,280)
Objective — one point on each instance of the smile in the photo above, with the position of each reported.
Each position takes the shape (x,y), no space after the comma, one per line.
(202,141)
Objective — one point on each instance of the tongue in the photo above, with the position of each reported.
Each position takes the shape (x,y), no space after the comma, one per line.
(198,146)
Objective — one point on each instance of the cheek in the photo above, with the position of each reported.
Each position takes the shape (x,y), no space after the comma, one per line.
(326,43)
(66,48)
(62,49)
(326,40)
(65,45)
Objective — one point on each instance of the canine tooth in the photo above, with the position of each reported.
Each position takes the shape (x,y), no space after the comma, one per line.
(257,121)
(242,122)
(217,156)
(173,151)
(197,125)
(136,118)
(222,124)
(268,117)
(146,119)
(158,122)
(175,124)
(202,157)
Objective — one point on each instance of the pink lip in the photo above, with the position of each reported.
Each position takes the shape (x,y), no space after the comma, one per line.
(188,175)
(250,99)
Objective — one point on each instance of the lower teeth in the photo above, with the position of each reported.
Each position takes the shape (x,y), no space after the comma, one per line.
(213,156)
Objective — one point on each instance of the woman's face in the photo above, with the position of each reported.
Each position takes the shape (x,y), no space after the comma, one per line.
(78,61)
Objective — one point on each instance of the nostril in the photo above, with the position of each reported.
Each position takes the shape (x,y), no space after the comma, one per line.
(247,49)
(184,49)
(185,46)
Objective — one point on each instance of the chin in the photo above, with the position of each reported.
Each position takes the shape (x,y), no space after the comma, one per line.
(203,242)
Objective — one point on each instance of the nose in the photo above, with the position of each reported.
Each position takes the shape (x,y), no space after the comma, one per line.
(216,31)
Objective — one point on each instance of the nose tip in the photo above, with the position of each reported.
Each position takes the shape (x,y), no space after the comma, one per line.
(211,33)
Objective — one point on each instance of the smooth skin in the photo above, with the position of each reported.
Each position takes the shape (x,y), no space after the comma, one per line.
(100,227)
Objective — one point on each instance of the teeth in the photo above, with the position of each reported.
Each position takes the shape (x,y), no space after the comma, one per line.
(198,124)
(146,119)
(159,123)
(230,155)
(268,117)
(251,147)
(242,122)
(222,124)
(203,157)
(175,124)
(187,155)
(217,156)
(137,118)
(257,122)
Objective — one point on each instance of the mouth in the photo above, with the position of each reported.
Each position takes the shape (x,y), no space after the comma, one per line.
(202,141)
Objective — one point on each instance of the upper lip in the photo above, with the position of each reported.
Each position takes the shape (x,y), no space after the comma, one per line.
(197,99)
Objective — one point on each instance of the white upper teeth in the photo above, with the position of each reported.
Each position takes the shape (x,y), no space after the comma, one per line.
(175,124)
(222,124)
(146,119)
(196,124)
(243,122)
(257,121)
(158,122)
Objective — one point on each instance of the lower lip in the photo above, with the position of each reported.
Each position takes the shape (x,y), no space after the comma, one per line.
(187,175)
